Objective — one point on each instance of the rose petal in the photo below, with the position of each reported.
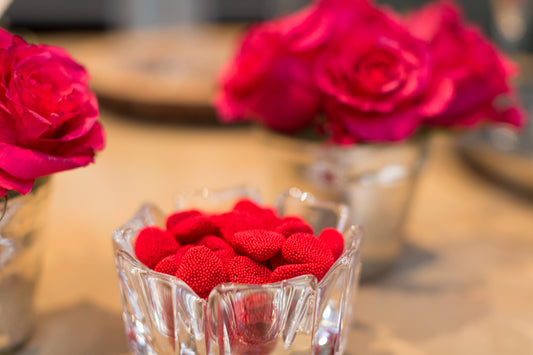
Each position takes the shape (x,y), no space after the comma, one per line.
(28,164)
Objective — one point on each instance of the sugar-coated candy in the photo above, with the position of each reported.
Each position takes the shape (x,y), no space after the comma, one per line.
(244,270)
(248,206)
(179,216)
(169,264)
(334,239)
(213,242)
(232,222)
(258,244)
(303,248)
(191,229)
(153,244)
(202,270)
(226,255)
(249,244)
(289,271)
(266,217)
(288,228)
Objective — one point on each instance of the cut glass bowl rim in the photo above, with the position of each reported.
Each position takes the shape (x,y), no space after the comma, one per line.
(123,236)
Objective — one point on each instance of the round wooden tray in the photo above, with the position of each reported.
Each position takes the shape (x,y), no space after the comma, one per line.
(164,73)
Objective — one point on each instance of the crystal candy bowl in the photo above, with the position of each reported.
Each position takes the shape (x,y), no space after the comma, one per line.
(163,315)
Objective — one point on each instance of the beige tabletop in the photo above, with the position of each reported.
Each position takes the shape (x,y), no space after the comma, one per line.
(463,286)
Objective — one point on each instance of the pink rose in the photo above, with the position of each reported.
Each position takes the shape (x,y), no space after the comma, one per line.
(271,77)
(480,74)
(5,39)
(48,115)
(378,81)
(313,26)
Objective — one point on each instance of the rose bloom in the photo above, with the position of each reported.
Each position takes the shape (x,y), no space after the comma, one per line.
(481,75)
(378,81)
(48,115)
(271,78)
(269,81)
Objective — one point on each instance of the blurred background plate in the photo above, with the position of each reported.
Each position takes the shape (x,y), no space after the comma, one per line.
(502,154)
(158,73)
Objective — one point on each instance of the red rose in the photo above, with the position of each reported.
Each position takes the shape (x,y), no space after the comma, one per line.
(5,39)
(48,115)
(481,75)
(270,78)
(378,81)
(311,27)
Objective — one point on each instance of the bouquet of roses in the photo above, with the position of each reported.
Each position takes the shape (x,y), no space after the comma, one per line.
(48,115)
(356,72)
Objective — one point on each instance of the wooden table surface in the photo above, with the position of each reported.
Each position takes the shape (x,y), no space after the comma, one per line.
(463,286)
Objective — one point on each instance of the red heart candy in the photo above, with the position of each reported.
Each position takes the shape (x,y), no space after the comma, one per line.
(169,264)
(232,222)
(266,216)
(334,239)
(226,255)
(258,244)
(191,229)
(248,206)
(213,242)
(181,251)
(302,248)
(153,244)
(287,228)
(244,270)
(289,271)
(202,270)
(179,216)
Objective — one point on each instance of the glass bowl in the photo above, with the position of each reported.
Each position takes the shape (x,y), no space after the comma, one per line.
(163,315)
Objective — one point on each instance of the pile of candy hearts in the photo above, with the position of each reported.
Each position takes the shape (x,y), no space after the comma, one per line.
(249,245)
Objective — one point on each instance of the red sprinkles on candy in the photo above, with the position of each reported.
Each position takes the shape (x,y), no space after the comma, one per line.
(202,270)
(258,244)
(303,248)
(334,239)
(227,255)
(248,245)
(181,251)
(190,230)
(244,270)
(232,222)
(290,227)
(266,217)
(248,206)
(153,244)
(213,242)
(289,271)
(169,265)
(177,217)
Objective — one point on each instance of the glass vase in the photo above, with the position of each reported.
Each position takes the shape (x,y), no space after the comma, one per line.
(20,261)
(376,182)
(164,316)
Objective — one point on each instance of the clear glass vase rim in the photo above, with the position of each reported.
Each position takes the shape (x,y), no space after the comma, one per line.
(299,142)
